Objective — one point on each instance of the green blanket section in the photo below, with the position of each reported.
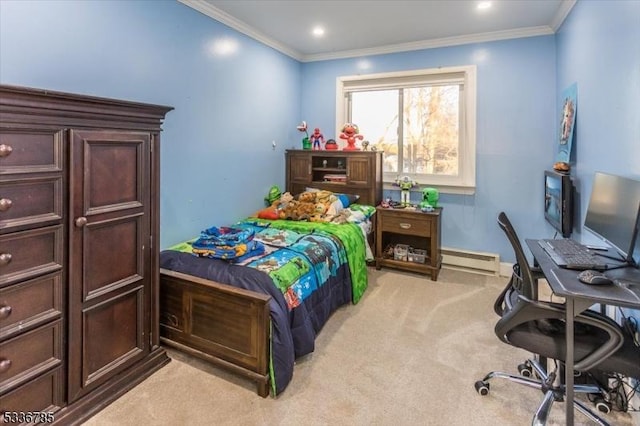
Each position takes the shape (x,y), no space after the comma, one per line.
(350,235)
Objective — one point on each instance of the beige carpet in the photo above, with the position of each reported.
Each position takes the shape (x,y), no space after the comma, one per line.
(407,354)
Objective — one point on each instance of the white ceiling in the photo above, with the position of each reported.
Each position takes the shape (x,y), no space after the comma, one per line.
(356,28)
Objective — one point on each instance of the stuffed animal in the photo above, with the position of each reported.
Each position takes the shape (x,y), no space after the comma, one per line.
(307,197)
(273,211)
(297,210)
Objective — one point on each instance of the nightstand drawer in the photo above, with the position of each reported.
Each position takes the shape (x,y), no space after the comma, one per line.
(400,223)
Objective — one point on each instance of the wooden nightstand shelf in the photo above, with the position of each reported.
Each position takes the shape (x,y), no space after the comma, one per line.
(414,228)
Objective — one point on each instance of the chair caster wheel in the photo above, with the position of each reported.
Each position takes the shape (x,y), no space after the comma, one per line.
(482,387)
(525,370)
(602,406)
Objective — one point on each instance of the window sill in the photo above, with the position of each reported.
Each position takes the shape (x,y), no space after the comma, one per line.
(444,189)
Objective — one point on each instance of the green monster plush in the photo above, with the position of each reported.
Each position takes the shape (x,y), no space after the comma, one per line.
(430,198)
(273,195)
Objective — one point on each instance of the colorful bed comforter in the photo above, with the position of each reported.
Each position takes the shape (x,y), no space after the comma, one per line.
(309,270)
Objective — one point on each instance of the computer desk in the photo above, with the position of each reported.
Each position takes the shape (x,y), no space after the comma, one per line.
(579,297)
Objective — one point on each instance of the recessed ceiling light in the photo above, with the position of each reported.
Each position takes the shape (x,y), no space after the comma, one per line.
(483,5)
(318,31)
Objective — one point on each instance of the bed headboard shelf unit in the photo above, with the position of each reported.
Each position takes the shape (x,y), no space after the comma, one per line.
(352,172)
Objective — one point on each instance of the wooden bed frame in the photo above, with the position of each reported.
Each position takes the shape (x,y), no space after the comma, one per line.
(224,325)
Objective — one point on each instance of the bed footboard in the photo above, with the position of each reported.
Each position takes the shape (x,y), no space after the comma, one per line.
(221,324)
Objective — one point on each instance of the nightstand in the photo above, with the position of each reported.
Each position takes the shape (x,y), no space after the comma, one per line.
(401,228)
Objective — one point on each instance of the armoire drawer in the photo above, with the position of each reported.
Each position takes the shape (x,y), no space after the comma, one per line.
(28,355)
(28,151)
(44,394)
(30,201)
(27,254)
(29,304)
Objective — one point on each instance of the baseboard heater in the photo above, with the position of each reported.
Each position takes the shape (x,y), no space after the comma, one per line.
(471,261)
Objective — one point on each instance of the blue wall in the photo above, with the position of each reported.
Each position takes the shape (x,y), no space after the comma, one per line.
(598,48)
(217,158)
(516,119)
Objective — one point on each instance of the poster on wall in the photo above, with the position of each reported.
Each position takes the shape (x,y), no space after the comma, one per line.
(567,123)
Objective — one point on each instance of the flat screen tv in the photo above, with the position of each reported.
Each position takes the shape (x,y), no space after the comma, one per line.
(558,201)
(613,213)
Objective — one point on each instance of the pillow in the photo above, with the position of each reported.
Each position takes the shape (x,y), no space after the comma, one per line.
(335,208)
(347,199)
(268,213)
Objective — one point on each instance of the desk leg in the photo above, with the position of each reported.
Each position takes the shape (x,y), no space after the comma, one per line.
(568,368)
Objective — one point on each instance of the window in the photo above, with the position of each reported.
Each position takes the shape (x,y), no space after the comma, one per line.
(423,120)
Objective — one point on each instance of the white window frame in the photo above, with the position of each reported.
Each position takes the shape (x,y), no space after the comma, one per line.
(465,181)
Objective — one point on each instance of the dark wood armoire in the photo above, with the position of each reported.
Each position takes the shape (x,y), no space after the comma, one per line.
(79,228)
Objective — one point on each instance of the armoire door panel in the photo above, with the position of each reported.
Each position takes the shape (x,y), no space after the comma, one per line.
(122,157)
(113,336)
(117,240)
(109,255)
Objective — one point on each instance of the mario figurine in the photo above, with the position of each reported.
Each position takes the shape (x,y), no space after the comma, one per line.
(317,139)
(350,132)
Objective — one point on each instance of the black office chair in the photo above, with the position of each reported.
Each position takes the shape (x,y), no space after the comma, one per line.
(600,344)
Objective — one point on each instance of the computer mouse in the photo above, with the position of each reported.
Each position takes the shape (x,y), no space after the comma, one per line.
(594,278)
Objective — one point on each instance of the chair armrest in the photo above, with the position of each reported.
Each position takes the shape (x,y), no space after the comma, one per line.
(527,310)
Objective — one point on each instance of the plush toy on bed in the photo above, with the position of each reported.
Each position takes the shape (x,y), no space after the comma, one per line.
(273,211)
(314,206)
(297,210)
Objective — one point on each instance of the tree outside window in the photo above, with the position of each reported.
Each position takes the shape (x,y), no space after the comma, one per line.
(423,121)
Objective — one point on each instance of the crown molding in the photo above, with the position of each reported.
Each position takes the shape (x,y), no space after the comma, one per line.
(213,12)
(240,26)
(433,43)
(561,15)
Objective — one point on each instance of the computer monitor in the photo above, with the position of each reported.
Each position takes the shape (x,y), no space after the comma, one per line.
(558,201)
(613,213)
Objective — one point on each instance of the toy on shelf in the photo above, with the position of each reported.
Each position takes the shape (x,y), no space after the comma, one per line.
(317,139)
(331,145)
(350,133)
(405,183)
(302,127)
(430,198)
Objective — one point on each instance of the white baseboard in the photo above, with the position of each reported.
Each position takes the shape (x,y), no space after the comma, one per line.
(471,261)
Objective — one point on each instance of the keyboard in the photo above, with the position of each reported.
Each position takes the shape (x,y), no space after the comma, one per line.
(570,254)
